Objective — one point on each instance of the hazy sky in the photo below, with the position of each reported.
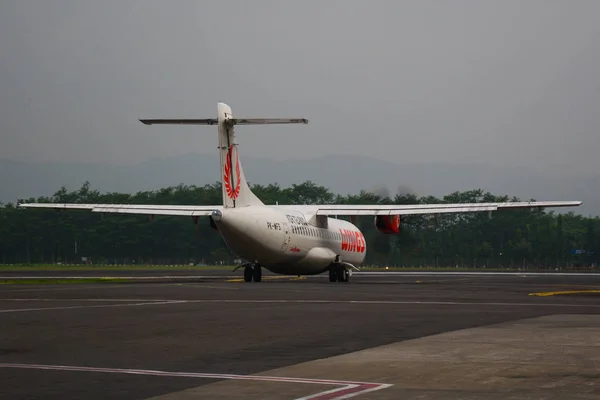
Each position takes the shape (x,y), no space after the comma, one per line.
(504,82)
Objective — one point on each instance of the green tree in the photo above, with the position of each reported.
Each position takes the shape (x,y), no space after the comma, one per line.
(508,238)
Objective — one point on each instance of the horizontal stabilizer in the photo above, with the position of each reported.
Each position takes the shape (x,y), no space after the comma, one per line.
(206,121)
(233,121)
(262,121)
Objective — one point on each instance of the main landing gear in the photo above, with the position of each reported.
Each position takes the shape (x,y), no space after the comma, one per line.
(252,272)
(338,273)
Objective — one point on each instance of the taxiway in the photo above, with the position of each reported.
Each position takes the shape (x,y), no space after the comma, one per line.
(379,337)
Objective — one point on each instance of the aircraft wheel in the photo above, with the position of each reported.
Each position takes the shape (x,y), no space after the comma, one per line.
(248,273)
(342,274)
(257,273)
(332,274)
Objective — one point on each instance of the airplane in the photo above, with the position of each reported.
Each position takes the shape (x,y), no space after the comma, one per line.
(286,239)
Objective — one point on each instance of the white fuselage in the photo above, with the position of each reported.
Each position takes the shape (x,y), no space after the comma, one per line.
(284,242)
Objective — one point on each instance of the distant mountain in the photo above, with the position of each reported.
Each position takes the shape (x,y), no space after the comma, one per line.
(342,174)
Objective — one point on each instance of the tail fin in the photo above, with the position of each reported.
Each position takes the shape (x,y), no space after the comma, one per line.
(236,192)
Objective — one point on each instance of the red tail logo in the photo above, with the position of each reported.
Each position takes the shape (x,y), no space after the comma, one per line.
(232,193)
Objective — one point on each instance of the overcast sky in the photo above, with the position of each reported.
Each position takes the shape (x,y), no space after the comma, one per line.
(502,82)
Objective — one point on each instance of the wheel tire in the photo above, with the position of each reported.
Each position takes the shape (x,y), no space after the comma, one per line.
(257,273)
(341,274)
(332,274)
(248,274)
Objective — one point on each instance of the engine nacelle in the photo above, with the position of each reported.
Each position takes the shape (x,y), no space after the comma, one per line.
(387,224)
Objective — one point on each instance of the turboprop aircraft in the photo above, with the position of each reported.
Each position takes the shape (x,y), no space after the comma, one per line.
(286,239)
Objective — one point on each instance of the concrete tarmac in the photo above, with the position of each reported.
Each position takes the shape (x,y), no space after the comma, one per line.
(391,336)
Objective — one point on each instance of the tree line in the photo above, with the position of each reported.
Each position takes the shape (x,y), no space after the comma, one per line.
(510,238)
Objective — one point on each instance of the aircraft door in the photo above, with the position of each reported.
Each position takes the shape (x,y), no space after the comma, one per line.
(287,237)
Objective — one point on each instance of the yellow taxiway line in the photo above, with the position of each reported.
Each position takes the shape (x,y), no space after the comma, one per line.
(544,294)
(270,278)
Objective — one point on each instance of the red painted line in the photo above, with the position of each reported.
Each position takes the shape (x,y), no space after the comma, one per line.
(348,388)
(346,392)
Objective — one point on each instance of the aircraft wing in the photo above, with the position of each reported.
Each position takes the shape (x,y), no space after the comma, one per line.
(414,209)
(325,209)
(151,209)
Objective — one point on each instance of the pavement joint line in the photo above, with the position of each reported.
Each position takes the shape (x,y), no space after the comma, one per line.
(346,390)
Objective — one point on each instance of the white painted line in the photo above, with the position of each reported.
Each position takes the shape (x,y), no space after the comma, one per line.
(16,310)
(393,302)
(145,302)
(83,286)
(154,277)
(458,273)
(348,388)
(84,300)
(320,276)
